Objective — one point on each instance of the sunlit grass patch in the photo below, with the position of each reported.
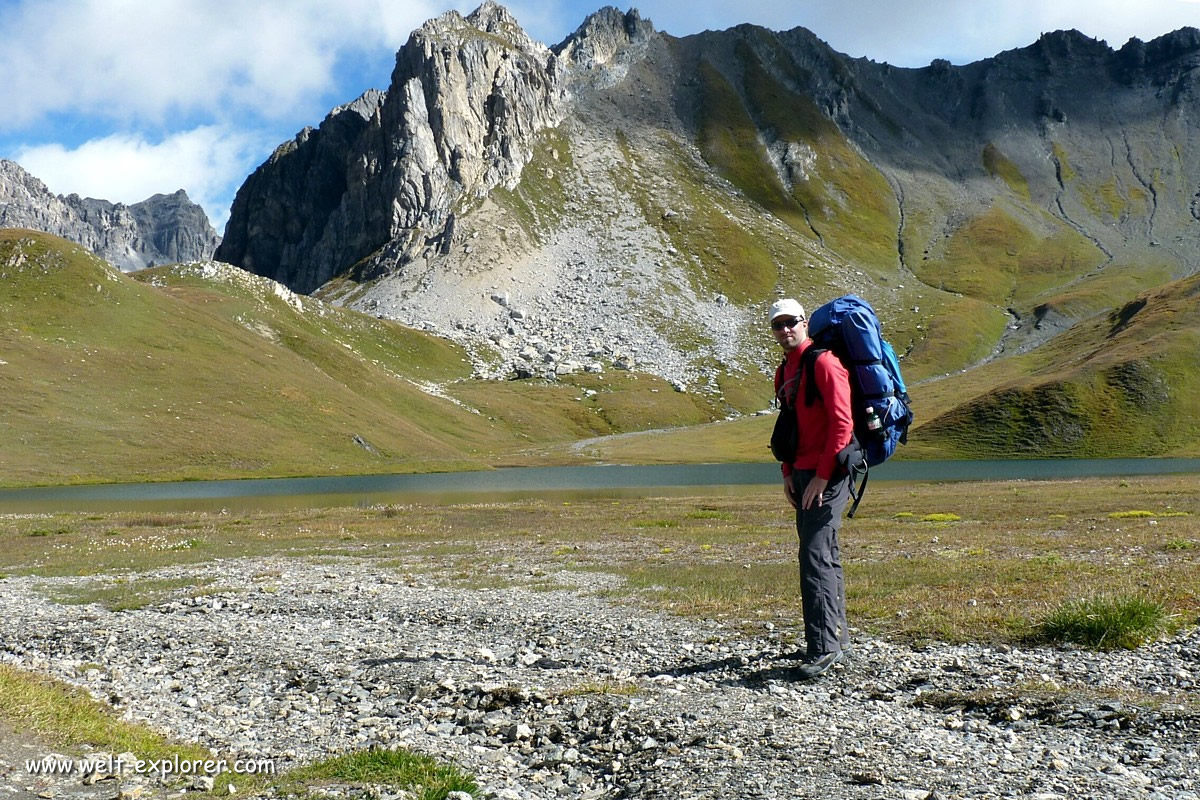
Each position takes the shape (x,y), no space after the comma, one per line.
(1150,515)
(466,579)
(122,594)
(998,165)
(1106,622)
(1180,544)
(708,514)
(547,586)
(903,515)
(605,687)
(424,778)
(153,521)
(941,517)
(750,589)
(186,544)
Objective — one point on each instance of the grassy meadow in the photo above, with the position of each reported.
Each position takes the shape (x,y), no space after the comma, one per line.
(969,562)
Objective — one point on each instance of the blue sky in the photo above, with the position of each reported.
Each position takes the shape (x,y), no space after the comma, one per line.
(122,99)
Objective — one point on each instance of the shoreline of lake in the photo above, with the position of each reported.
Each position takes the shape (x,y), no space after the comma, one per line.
(524,481)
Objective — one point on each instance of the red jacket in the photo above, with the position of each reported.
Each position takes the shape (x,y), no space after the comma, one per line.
(825,427)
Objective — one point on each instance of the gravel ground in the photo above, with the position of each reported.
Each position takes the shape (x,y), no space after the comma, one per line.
(548,694)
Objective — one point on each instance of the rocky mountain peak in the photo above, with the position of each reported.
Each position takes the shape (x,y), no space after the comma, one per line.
(494,18)
(1068,42)
(604,34)
(1058,51)
(365,105)
(467,97)
(489,22)
(162,229)
(1171,55)
(1182,45)
(461,111)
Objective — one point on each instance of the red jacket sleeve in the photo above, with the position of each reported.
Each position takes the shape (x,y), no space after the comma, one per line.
(833,381)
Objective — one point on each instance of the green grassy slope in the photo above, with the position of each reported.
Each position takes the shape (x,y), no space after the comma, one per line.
(846,200)
(108,378)
(204,371)
(996,258)
(1118,384)
(837,196)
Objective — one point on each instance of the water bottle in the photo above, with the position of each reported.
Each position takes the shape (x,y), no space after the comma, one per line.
(874,424)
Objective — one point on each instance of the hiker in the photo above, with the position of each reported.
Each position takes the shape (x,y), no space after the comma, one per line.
(814,484)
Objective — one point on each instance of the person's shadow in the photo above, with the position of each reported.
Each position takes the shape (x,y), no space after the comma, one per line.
(753,673)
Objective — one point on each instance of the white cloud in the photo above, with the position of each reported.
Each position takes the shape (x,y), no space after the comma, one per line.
(151,61)
(209,162)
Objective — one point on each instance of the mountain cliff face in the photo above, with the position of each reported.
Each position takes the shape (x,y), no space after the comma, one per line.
(627,198)
(387,170)
(163,229)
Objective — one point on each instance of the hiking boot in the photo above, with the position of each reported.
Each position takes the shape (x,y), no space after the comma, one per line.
(818,665)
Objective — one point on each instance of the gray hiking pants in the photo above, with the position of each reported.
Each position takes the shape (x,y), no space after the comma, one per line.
(822,584)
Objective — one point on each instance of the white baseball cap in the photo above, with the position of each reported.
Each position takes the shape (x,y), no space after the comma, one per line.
(786,307)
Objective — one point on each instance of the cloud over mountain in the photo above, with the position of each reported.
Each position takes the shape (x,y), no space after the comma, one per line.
(127,168)
(158,60)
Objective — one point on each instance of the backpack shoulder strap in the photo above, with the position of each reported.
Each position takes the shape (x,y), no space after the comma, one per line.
(808,365)
(781,395)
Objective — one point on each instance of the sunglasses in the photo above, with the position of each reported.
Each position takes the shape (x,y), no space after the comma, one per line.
(780,324)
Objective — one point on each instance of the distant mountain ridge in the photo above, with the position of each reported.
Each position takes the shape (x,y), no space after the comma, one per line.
(551,205)
(162,229)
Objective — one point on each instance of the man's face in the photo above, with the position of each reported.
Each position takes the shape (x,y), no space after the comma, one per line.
(789,331)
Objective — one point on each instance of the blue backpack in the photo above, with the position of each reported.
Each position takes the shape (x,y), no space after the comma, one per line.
(849,328)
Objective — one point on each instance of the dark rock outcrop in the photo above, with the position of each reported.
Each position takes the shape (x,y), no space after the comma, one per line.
(163,229)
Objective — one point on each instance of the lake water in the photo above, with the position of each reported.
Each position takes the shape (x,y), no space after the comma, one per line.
(567,482)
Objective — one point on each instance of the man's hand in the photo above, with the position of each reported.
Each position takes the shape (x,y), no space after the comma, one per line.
(813,492)
(787,490)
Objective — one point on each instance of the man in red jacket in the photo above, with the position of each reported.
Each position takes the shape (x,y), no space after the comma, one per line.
(814,485)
